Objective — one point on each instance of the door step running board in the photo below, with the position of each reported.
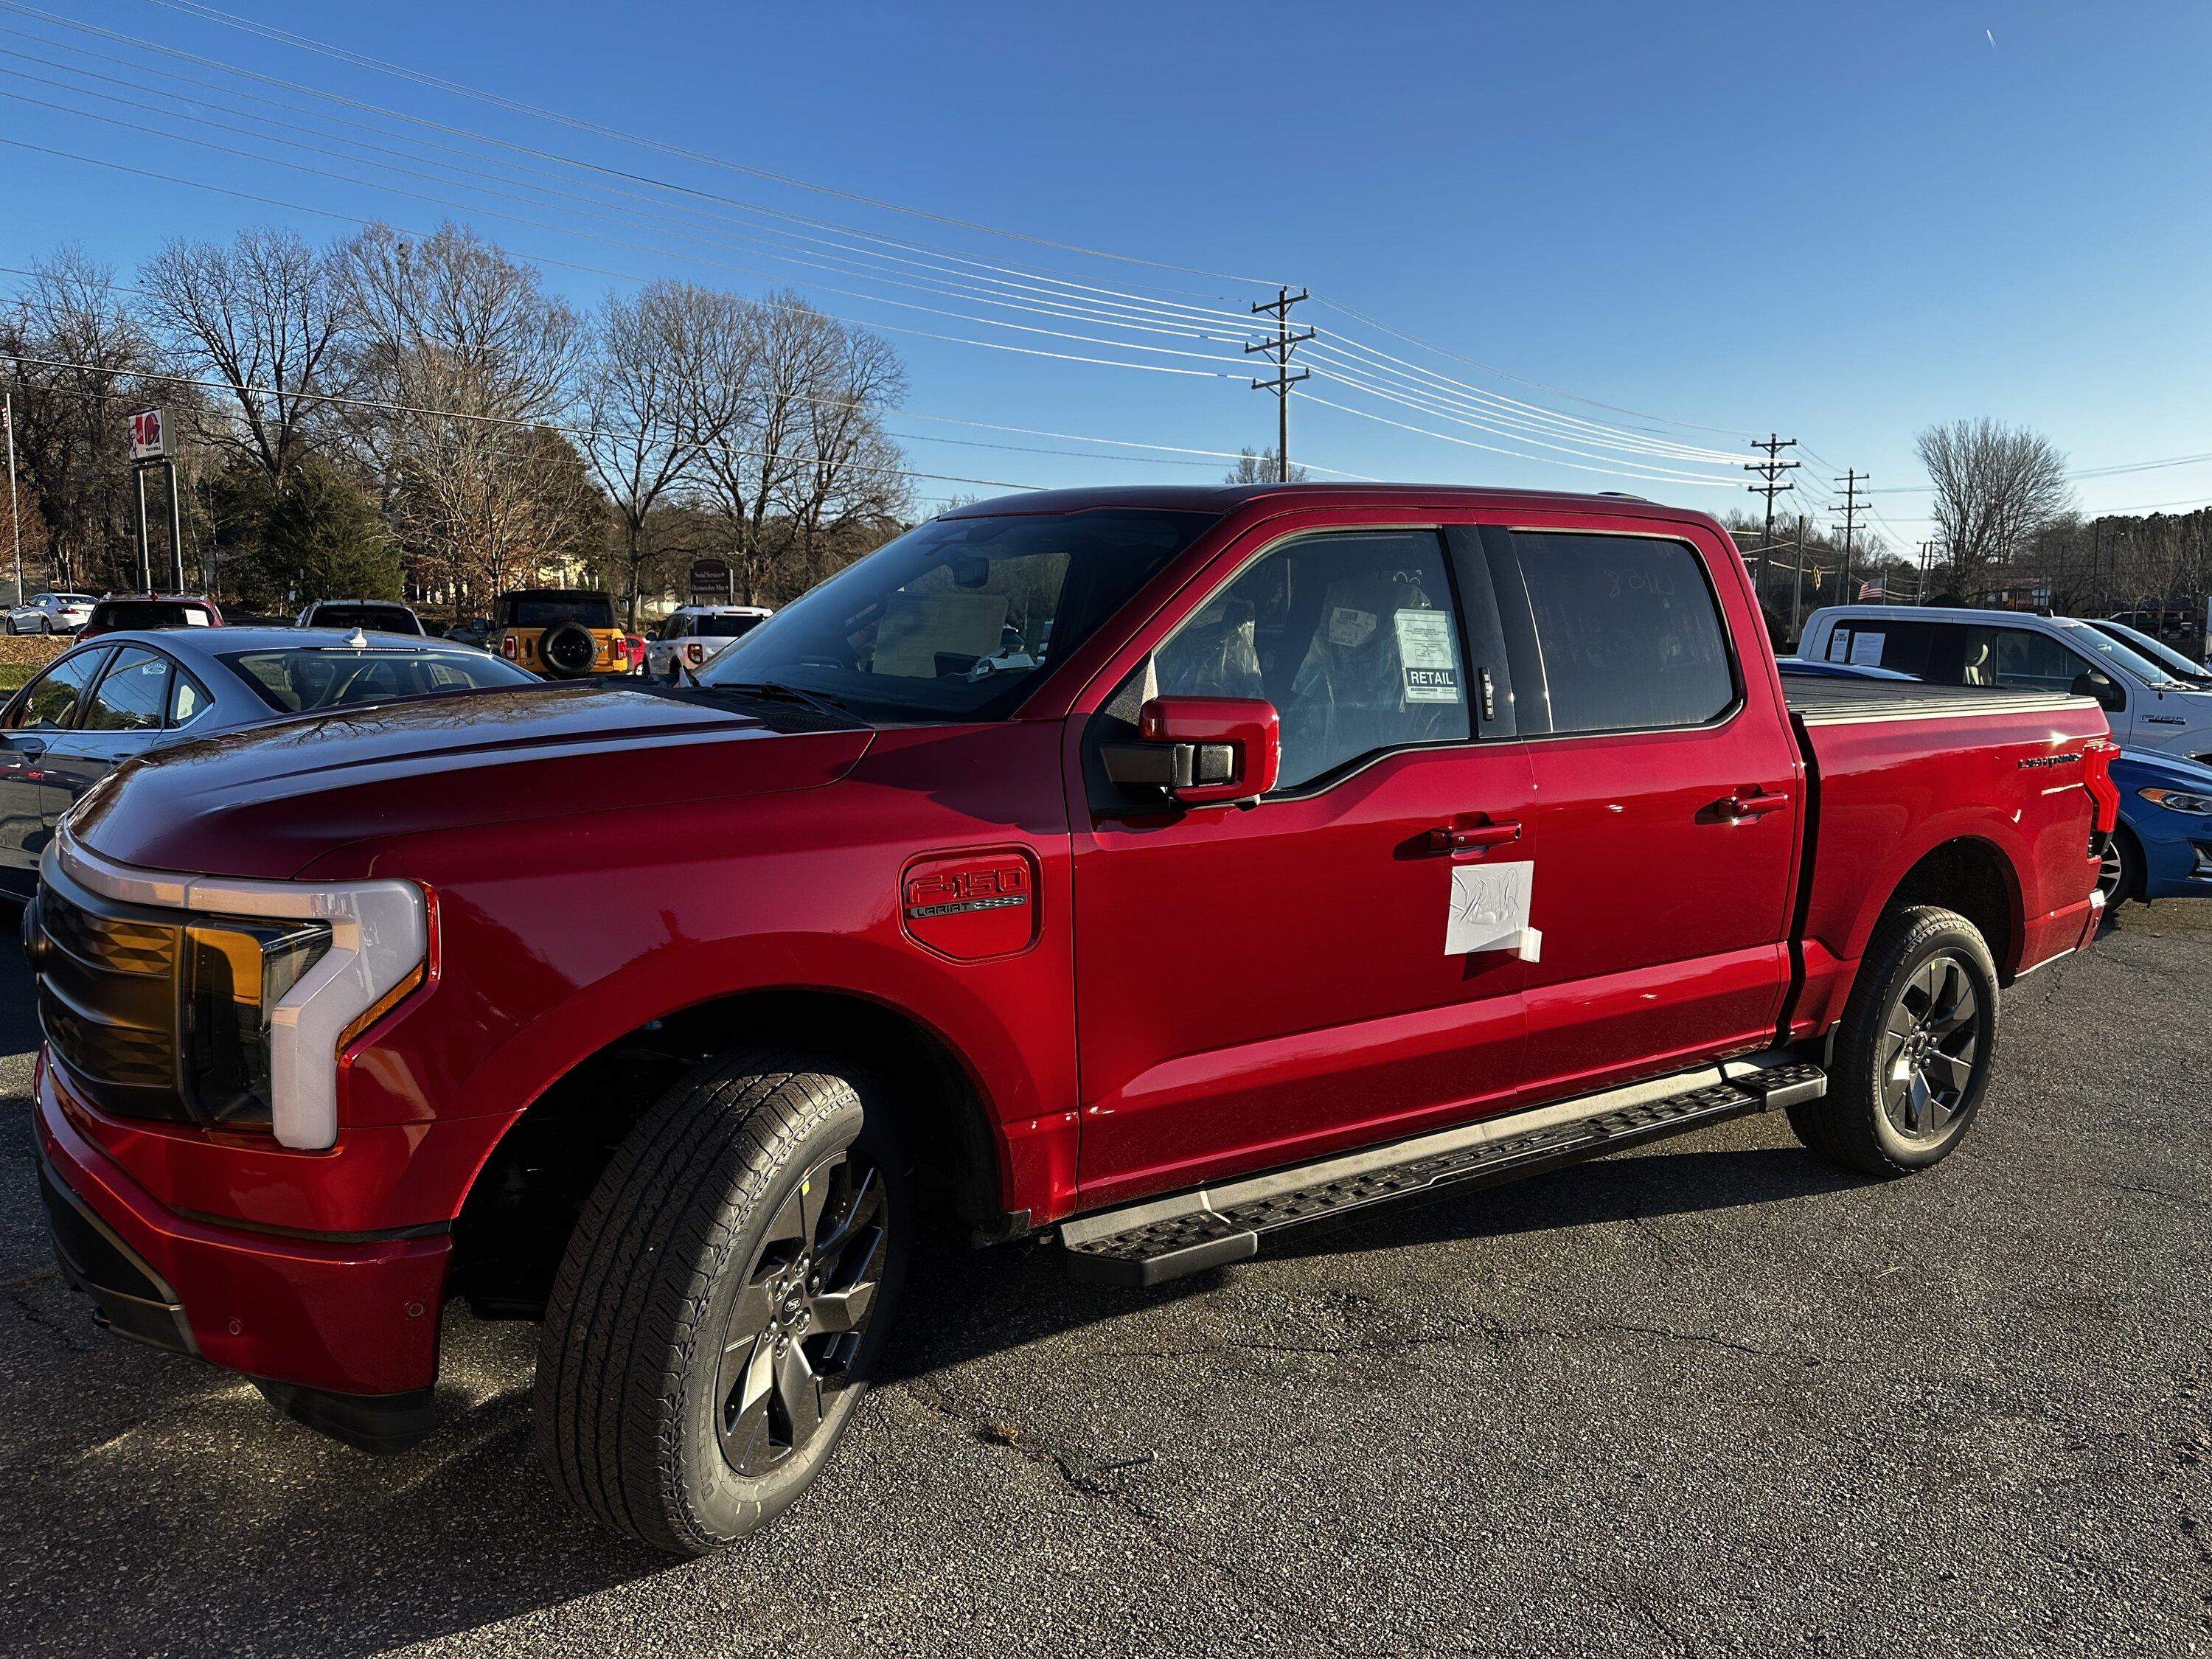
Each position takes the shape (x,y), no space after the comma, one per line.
(1164,1238)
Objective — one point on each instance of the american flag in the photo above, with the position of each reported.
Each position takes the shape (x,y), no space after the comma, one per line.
(1876,589)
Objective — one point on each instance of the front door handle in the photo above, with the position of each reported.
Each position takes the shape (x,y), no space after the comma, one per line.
(1747,803)
(1474,837)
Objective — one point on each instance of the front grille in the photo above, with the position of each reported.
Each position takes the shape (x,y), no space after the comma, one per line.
(107,998)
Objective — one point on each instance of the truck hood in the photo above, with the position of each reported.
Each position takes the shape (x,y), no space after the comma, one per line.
(269,800)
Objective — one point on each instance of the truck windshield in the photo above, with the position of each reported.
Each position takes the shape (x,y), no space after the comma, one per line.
(955,620)
(2084,637)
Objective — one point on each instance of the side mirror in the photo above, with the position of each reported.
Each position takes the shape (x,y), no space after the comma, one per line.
(1201,752)
(2096,682)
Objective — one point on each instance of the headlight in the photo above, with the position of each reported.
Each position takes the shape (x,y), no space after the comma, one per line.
(2176,800)
(274,978)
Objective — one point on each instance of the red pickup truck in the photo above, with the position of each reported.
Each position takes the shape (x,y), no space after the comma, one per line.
(1145,871)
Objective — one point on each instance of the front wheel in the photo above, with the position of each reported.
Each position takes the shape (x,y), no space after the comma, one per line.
(723,1301)
(1913,1052)
(2119,875)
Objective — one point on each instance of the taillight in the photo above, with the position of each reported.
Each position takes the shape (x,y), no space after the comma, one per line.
(507,646)
(2097,779)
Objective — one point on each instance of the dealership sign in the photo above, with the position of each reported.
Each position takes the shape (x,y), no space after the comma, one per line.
(149,435)
(710,579)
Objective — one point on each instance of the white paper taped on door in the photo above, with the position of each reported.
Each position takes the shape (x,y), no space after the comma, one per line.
(1490,910)
(1425,646)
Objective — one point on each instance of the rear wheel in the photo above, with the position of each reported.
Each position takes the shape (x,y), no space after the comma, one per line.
(1913,1052)
(723,1301)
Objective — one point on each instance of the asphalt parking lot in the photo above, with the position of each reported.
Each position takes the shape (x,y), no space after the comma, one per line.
(1713,1397)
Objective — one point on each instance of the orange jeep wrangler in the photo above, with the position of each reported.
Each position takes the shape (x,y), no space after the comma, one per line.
(563,633)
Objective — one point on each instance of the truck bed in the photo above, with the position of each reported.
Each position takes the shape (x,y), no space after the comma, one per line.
(1820,700)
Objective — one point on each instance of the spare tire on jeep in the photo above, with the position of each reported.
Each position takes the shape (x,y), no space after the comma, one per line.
(567,650)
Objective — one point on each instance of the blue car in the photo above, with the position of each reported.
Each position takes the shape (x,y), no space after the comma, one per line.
(2163,849)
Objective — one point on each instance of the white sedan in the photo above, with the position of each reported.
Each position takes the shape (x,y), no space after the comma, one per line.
(695,634)
(51,613)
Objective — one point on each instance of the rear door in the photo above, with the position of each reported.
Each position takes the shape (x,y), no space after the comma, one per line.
(1261,984)
(1669,794)
(124,716)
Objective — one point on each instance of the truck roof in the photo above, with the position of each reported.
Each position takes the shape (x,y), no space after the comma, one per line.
(1220,498)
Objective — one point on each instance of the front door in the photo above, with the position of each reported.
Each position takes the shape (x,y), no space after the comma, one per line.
(43,712)
(1263,983)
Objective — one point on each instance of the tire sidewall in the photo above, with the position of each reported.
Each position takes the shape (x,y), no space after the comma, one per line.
(720,1503)
(1959,939)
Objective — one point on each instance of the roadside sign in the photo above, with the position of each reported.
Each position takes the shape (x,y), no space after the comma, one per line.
(710,579)
(149,435)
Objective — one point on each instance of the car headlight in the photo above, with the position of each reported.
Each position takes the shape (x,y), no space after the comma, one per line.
(274,978)
(2177,800)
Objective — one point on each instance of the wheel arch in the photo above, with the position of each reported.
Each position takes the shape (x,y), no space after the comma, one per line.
(521,1202)
(1974,876)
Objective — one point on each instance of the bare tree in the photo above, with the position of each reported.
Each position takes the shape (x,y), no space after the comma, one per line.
(853,472)
(473,362)
(779,348)
(648,408)
(82,367)
(1995,487)
(1259,466)
(262,316)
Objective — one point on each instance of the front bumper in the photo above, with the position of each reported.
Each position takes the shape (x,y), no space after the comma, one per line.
(346,1317)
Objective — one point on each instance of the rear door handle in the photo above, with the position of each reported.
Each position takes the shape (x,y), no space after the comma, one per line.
(1474,837)
(1743,805)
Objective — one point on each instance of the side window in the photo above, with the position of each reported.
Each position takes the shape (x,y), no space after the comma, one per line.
(1629,631)
(54,696)
(133,693)
(1354,638)
(1903,646)
(2020,658)
(186,700)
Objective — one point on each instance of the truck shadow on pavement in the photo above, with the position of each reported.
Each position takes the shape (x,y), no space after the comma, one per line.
(182,1514)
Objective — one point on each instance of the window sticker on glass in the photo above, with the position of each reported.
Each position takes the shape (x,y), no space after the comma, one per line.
(1350,627)
(1839,645)
(1425,646)
(1490,910)
(1866,649)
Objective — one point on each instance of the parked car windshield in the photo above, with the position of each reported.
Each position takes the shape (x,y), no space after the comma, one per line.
(2083,637)
(382,618)
(295,681)
(2158,650)
(551,610)
(951,621)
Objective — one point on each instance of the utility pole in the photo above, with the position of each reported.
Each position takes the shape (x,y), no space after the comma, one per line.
(1797,593)
(15,518)
(1770,471)
(1279,308)
(1921,596)
(1851,483)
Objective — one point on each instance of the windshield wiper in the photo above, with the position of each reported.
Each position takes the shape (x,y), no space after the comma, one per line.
(777,691)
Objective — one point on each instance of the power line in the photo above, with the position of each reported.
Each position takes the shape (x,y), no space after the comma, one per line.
(515,105)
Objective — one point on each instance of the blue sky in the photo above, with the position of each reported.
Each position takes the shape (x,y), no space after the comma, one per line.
(1841,222)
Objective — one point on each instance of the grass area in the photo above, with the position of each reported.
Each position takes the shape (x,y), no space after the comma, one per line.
(15,676)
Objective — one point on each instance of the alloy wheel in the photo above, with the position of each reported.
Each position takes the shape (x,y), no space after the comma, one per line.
(799,1322)
(1931,1047)
(2112,869)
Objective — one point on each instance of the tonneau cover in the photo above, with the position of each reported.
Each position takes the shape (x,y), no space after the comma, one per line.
(1822,700)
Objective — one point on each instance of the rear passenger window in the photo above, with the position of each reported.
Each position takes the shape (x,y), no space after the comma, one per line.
(1631,637)
(1353,637)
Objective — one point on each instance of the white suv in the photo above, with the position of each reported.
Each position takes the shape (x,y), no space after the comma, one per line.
(51,613)
(693,635)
